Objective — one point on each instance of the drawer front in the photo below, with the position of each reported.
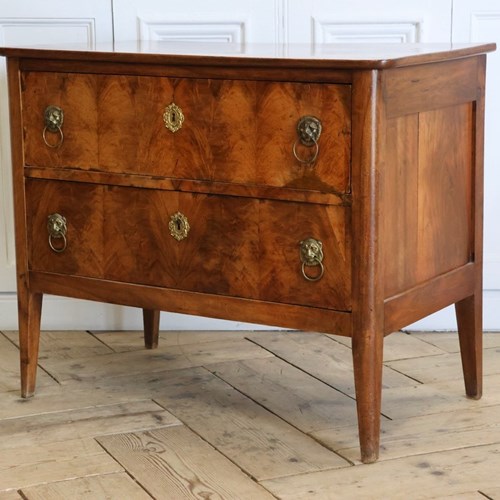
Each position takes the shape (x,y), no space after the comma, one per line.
(235,246)
(233,131)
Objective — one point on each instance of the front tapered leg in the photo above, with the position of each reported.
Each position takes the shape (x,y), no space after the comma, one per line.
(151,319)
(30,310)
(367,360)
(470,334)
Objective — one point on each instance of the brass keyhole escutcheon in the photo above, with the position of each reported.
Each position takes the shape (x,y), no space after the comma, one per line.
(173,117)
(311,254)
(179,226)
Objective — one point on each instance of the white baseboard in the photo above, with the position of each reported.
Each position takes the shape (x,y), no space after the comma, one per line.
(61,313)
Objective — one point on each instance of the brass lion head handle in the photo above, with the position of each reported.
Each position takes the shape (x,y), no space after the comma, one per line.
(309,131)
(53,117)
(311,255)
(57,228)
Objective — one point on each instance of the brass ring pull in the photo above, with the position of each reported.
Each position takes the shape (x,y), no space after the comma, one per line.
(313,278)
(307,161)
(53,117)
(311,255)
(58,143)
(57,228)
(56,248)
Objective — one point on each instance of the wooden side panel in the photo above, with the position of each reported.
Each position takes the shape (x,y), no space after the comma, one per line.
(234,131)
(428,227)
(400,190)
(444,190)
(432,86)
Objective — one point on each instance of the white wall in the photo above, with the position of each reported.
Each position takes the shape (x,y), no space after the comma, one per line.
(314,21)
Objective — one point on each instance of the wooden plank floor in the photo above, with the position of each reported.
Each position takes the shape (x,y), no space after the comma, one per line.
(243,415)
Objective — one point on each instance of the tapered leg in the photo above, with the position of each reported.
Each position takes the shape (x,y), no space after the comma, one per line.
(367,361)
(470,334)
(151,327)
(30,310)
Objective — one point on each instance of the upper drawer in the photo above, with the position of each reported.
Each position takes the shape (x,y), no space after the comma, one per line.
(233,131)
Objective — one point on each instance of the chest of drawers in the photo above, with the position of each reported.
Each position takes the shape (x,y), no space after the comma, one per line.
(337,190)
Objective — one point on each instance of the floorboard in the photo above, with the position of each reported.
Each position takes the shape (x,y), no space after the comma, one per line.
(249,415)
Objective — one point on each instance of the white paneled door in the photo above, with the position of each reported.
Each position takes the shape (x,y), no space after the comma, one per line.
(199,20)
(381,21)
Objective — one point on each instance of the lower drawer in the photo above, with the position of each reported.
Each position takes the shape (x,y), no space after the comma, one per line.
(235,246)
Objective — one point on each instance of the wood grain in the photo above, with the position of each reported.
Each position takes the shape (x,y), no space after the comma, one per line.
(423,476)
(448,341)
(428,420)
(428,297)
(322,358)
(24,465)
(261,443)
(254,56)
(425,434)
(400,191)
(297,398)
(117,485)
(367,277)
(9,369)
(189,185)
(445,231)
(240,132)
(429,179)
(432,86)
(225,232)
(132,340)
(82,423)
(160,359)
(214,306)
(179,464)
(82,206)
(68,344)
(434,368)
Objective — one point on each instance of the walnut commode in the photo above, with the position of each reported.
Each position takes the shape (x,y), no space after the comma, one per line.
(337,190)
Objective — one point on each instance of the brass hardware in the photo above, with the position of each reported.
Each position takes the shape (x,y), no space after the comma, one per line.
(53,117)
(311,254)
(309,131)
(173,117)
(57,228)
(179,226)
